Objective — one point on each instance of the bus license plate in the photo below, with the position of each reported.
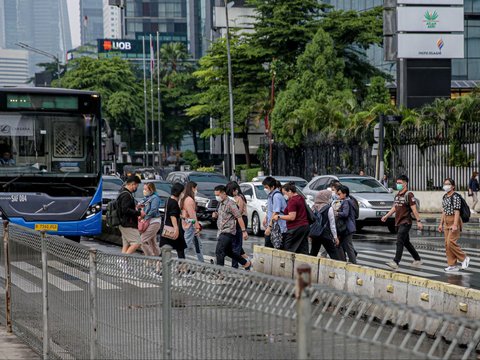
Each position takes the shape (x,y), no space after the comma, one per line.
(382,213)
(46,227)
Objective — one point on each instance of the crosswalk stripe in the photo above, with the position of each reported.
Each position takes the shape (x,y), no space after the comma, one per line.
(80,275)
(424,266)
(401,270)
(21,283)
(52,279)
(472,250)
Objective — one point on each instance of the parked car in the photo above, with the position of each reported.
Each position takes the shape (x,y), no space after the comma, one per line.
(206,183)
(111,186)
(257,205)
(300,183)
(163,189)
(373,198)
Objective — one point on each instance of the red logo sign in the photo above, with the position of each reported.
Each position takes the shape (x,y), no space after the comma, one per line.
(107,45)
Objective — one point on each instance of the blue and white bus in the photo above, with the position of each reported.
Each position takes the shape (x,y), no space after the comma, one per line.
(50,160)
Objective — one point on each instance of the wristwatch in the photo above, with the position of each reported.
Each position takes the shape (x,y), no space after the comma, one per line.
(419,220)
(244,230)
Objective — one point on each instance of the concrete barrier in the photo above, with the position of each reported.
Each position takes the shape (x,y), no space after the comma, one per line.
(313,261)
(282,263)
(262,259)
(332,273)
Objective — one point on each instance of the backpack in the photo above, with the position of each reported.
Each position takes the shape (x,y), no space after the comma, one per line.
(112,215)
(355,206)
(464,208)
(321,224)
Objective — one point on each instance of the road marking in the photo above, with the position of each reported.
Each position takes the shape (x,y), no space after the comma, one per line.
(80,275)
(52,279)
(385,267)
(21,283)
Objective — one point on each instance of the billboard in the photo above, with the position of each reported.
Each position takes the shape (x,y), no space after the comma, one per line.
(430,19)
(430,46)
(430,2)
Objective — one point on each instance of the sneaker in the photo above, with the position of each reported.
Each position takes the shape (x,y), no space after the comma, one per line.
(452,269)
(465,262)
(392,264)
(417,263)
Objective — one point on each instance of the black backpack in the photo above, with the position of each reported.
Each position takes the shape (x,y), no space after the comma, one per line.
(464,209)
(321,225)
(113,216)
(355,206)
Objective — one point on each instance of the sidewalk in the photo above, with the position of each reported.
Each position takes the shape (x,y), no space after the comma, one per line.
(11,347)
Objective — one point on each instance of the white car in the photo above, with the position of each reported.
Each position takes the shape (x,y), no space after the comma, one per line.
(257,205)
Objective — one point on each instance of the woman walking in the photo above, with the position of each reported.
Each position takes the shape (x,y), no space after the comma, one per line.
(451,225)
(296,238)
(473,188)
(233,190)
(151,216)
(190,224)
(175,237)
(328,238)
(345,231)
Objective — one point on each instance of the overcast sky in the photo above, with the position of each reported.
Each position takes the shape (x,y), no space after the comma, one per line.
(74,16)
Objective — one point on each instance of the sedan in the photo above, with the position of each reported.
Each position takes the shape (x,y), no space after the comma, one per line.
(300,183)
(256,197)
(373,198)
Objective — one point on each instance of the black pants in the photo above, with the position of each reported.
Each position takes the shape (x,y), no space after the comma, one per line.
(328,244)
(296,240)
(225,248)
(237,245)
(346,249)
(403,240)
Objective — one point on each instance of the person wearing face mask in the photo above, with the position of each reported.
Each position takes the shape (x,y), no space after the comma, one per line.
(334,186)
(129,213)
(227,217)
(404,207)
(451,225)
(276,205)
(473,188)
(298,228)
(190,224)
(151,214)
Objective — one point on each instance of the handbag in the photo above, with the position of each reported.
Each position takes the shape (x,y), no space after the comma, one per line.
(143,225)
(168,232)
(276,236)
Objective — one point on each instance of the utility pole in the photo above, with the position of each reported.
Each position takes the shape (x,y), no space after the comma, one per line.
(44,53)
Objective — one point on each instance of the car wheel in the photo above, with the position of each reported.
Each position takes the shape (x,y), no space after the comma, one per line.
(256,224)
(392,228)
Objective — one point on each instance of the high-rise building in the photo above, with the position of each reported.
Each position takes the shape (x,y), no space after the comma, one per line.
(467,68)
(199,25)
(41,24)
(13,67)
(112,21)
(91,21)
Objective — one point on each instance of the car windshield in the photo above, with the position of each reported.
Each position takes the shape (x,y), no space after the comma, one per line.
(260,192)
(208,178)
(112,184)
(359,185)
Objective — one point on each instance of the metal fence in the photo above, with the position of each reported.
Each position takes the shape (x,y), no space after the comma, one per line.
(427,154)
(68,301)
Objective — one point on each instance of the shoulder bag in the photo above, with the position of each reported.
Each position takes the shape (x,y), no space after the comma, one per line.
(168,232)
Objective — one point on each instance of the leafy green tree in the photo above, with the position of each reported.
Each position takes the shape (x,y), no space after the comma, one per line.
(319,99)
(173,57)
(377,93)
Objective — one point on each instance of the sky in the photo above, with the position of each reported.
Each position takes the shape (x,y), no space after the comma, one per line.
(74,17)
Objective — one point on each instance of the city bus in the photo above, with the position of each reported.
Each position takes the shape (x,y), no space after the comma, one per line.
(50,160)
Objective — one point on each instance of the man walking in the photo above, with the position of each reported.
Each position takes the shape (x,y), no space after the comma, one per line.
(227,217)
(404,206)
(129,214)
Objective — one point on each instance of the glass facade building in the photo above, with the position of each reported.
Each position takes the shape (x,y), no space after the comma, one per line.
(91,21)
(462,69)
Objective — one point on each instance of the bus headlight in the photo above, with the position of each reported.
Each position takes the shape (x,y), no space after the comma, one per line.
(92,210)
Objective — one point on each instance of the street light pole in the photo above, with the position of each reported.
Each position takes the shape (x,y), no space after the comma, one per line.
(44,53)
(230,92)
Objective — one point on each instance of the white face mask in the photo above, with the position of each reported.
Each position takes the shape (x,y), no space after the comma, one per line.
(218,198)
(267,190)
(285,197)
(447,188)
(146,193)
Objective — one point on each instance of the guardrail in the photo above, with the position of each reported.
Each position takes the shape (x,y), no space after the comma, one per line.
(68,301)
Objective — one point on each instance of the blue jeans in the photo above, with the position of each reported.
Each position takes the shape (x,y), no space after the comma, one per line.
(193,243)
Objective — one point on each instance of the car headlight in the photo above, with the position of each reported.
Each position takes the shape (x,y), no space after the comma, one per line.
(264,208)
(362,204)
(201,201)
(92,210)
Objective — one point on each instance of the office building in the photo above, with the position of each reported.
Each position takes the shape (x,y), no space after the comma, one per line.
(13,67)
(112,21)
(91,21)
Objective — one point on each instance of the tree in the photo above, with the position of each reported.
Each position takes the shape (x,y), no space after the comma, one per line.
(51,67)
(319,99)
(249,77)
(377,93)
(172,56)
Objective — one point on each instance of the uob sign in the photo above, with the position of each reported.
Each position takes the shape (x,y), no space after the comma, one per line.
(112,45)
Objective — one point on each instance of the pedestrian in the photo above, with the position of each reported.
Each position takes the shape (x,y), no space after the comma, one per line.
(328,238)
(361,172)
(404,207)
(151,215)
(129,213)
(451,225)
(473,188)
(346,226)
(227,216)
(276,205)
(172,219)
(295,214)
(190,224)
(385,181)
(235,193)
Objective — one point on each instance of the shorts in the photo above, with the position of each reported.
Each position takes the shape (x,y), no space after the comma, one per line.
(130,236)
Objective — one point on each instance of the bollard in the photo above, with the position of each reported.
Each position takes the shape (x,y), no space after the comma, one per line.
(304,311)
(93,303)
(167,301)
(8,278)
(45,297)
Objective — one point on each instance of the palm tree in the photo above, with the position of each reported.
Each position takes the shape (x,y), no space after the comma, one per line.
(172,55)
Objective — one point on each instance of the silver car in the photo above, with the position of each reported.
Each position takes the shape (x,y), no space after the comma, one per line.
(373,198)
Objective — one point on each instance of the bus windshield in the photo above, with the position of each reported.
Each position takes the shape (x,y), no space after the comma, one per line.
(49,144)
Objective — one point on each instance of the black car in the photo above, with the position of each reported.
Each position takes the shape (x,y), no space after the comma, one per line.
(206,183)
